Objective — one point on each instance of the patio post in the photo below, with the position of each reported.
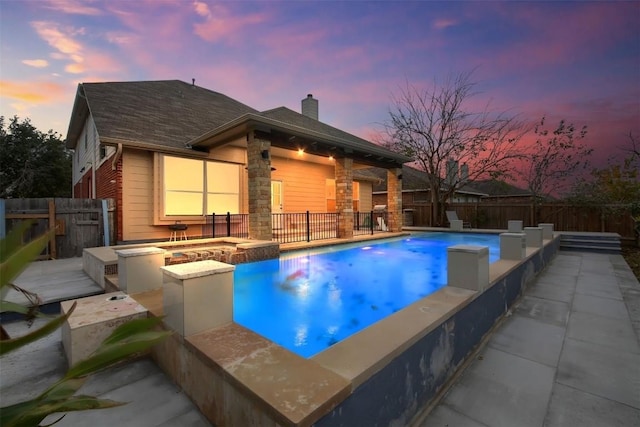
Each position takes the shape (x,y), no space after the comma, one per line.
(344,196)
(259,176)
(394,199)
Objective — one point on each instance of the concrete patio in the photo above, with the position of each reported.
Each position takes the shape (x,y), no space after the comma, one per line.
(568,354)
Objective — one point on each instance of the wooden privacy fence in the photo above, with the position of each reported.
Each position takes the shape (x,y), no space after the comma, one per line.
(79,223)
(565,217)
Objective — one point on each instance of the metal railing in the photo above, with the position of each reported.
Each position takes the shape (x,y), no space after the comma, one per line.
(301,227)
(226,225)
(369,222)
(295,227)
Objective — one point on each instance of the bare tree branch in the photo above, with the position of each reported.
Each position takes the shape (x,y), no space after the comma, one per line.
(437,129)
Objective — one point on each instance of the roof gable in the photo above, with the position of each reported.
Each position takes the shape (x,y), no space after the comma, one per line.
(165,113)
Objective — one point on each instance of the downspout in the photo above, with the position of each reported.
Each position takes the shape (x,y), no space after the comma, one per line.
(116,157)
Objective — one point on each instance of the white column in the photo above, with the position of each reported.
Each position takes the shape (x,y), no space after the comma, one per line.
(197,296)
(456,225)
(513,246)
(515,226)
(468,267)
(534,236)
(139,269)
(547,230)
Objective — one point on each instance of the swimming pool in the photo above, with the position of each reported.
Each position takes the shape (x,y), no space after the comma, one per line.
(309,300)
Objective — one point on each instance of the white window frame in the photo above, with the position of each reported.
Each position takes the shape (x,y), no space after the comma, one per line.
(206,196)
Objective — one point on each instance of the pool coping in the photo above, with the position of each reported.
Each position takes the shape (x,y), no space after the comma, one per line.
(286,388)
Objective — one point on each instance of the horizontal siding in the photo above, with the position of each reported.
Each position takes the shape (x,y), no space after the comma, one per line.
(304,184)
(137,192)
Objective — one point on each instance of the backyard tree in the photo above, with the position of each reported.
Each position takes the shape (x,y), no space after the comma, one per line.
(440,130)
(32,163)
(615,189)
(554,158)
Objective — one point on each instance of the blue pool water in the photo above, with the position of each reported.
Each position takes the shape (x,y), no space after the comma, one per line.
(309,300)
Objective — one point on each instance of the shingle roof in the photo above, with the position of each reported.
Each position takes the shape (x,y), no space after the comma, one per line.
(416,180)
(165,113)
(494,187)
(175,114)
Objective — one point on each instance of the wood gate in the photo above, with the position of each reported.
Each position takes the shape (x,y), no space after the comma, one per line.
(79,223)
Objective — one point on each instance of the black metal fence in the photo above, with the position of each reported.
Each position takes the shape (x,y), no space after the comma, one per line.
(369,222)
(226,225)
(301,227)
(296,227)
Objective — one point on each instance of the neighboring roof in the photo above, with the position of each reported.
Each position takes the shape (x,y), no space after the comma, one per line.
(177,115)
(496,188)
(416,180)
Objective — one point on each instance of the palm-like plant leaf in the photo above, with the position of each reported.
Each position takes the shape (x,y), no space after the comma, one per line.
(15,343)
(117,349)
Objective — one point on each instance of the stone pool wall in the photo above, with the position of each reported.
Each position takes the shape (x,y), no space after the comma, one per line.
(383,376)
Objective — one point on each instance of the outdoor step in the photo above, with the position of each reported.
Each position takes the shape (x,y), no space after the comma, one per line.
(591,242)
(589,248)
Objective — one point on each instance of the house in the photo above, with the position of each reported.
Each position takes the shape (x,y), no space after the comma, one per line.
(415,188)
(170,151)
(502,192)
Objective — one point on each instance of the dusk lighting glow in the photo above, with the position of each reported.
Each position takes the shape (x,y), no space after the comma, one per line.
(578,61)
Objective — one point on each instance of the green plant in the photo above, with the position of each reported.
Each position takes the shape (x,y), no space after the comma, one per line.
(128,339)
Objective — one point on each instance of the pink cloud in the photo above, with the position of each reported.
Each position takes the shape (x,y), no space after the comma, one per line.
(442,23)
(32,92)
(221,23)
(74,7)
(56,38)
(36,63)
(572,33)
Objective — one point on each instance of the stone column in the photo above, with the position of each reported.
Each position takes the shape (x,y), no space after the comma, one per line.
(259,177)
(344,196)
(394,199)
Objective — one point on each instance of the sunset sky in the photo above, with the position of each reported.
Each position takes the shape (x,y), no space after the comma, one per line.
(574,60)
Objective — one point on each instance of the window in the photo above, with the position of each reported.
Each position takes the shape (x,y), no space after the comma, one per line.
(103,152)
(196,187)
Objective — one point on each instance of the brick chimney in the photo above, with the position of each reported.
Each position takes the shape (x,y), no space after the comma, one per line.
(310,107)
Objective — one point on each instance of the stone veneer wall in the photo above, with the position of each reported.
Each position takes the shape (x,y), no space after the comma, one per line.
(259,174)
(344,196)
(394,199)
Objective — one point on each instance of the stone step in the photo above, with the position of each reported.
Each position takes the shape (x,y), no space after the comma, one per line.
(591,242)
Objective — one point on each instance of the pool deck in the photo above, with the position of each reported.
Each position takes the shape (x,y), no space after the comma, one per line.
(568,355)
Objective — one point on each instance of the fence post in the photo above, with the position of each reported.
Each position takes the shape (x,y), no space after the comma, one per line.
(213,224)
(3,219)
(308,228)
(228,224)
(371,222)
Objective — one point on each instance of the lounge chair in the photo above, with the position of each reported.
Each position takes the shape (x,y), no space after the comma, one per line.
(453,216)
(381,224)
